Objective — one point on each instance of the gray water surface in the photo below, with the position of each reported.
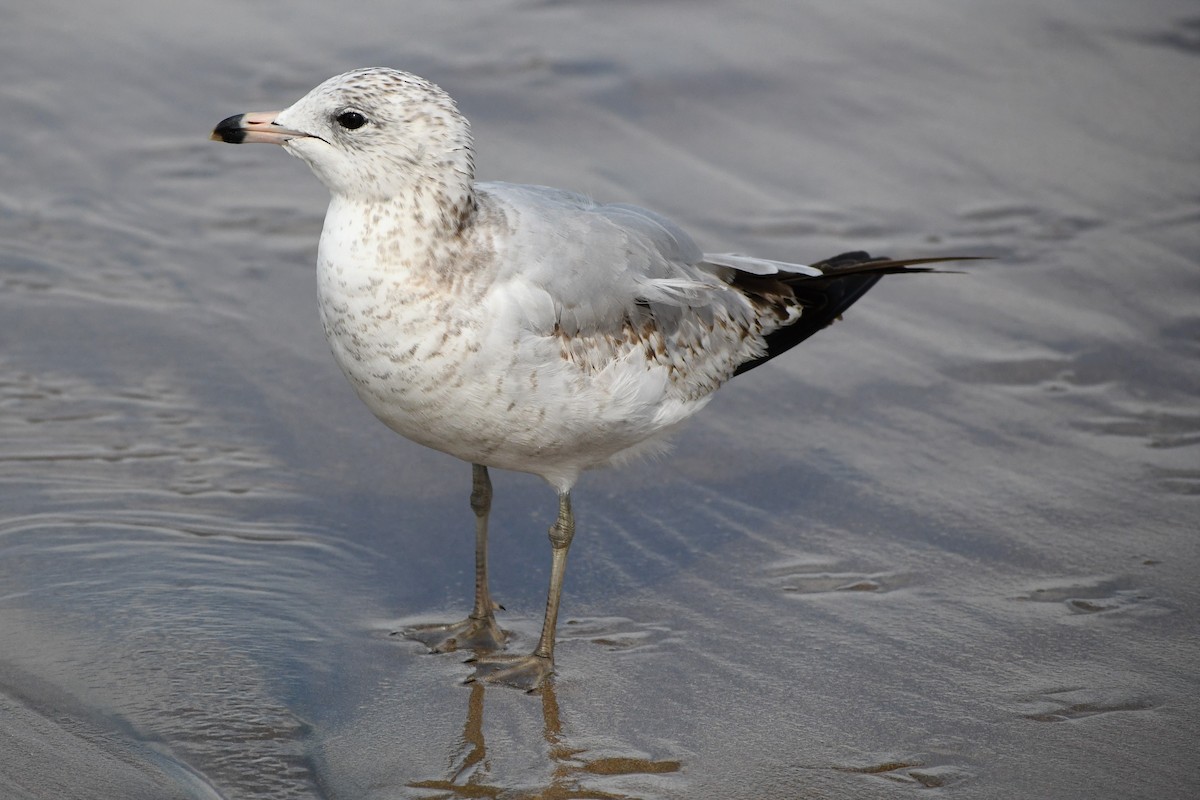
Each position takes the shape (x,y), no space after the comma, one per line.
(949,544)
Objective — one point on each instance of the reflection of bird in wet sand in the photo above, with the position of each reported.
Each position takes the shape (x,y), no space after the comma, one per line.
(522,327)
(572,767)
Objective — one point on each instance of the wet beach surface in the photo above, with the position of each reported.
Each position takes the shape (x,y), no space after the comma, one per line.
(948,545)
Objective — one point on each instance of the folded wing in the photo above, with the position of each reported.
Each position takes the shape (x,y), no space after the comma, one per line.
(618,278)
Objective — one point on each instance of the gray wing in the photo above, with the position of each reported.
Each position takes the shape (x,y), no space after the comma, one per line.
(618,279)
(603,266)
(620,287)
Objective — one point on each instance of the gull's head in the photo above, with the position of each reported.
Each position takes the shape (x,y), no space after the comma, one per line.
(372,134)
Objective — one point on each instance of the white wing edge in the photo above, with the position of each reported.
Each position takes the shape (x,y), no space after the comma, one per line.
(759,266)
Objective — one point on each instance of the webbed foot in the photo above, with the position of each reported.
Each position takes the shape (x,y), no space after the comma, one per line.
(526,673)
(482,635)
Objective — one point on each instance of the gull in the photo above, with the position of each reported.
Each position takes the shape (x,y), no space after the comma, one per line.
(522,327)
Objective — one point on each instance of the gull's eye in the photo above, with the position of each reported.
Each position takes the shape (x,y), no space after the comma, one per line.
(351,120)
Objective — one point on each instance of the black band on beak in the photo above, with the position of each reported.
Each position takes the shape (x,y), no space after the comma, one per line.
(230,130)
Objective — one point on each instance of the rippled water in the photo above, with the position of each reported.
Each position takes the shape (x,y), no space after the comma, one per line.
(951,543)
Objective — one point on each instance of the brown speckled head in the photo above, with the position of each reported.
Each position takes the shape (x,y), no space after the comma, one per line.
(371,134)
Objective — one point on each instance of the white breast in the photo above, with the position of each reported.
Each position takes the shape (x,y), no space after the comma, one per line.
(444,356)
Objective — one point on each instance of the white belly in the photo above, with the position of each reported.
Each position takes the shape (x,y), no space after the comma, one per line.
(443,372)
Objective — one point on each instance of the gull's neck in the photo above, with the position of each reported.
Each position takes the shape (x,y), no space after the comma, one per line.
(437,197)
(416,228)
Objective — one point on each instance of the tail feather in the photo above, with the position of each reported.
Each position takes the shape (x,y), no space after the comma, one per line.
(843,280)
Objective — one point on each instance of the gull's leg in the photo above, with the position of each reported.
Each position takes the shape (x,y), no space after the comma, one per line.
(528,672)
(561,534)
(478,631)
(481,504)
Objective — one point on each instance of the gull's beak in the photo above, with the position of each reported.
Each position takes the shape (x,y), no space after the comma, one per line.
(256,126)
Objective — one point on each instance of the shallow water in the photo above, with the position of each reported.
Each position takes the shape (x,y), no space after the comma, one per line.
(951,543)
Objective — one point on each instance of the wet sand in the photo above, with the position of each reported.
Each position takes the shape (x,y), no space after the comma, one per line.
(948,544)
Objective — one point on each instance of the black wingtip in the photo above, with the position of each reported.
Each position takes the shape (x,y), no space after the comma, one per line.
(859,263)
(845,279)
